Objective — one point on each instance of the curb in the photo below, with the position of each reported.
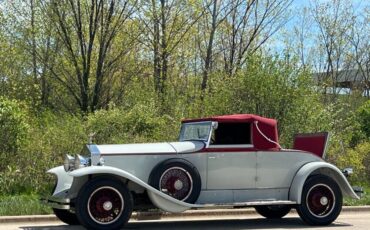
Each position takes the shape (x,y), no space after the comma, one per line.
(166,215)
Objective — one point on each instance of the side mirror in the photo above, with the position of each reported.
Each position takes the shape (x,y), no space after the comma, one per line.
(347,171)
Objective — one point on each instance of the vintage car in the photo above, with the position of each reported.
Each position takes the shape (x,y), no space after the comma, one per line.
(223,161)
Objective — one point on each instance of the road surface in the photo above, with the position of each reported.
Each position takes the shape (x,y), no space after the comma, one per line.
(351,220)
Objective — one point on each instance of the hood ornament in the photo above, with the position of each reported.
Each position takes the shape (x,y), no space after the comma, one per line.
(91,138)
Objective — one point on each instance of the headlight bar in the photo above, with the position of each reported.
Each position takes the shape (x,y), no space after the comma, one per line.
(71,163)
(68,163)
(80,162)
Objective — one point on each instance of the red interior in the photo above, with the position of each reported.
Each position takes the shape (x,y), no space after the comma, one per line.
(313,142)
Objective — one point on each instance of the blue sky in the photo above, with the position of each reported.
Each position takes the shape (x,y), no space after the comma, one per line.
(277,41)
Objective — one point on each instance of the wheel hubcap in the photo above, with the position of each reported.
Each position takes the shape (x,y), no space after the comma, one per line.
(178,185)
(320,200)
(324,200)
(105,205)
(176,182)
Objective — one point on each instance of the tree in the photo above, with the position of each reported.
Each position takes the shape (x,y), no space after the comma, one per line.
(88,31)
(165,25)
(216,13)
(360,46)
(248,27)
(333,19)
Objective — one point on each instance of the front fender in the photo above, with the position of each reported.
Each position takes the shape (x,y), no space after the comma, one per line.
(64,181)
(323,168)
(159,199)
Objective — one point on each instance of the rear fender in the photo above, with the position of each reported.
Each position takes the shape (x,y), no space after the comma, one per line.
(159,199)
(322,168)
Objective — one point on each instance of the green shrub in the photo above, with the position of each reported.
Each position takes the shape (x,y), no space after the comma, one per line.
(46,141)
(52,136)
(139,124)
(13,125)
(356,158)
(363,114)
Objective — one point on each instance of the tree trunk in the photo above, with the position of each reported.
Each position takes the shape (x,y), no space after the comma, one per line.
(208,60)
(33,43)
(156,53)
(164,56)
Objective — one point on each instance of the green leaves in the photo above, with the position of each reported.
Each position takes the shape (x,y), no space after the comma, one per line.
(142,123)
(13,126)
(363,114)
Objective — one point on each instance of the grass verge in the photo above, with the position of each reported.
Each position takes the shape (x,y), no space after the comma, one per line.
(24,204)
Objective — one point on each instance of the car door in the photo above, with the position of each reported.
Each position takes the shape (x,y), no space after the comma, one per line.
(231,168)
(231,157)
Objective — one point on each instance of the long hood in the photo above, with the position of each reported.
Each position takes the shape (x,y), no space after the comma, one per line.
(152,148)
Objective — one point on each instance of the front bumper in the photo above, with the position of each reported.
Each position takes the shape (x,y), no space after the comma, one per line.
(58,201)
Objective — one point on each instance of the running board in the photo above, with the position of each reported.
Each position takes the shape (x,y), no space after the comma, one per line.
(249,204)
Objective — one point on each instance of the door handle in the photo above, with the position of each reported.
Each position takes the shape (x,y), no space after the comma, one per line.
(211,157)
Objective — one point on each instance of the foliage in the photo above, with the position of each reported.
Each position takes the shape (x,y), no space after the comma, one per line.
(46,141)
(140,124)
(357,158)
(51,137)
(363,114)
(13,126)
(350,147)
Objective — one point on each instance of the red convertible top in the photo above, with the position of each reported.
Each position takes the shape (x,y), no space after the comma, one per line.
(264,134)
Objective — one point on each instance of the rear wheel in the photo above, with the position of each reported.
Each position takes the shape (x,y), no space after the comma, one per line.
(273,211)
(104,204)
(66,216)
(321,201)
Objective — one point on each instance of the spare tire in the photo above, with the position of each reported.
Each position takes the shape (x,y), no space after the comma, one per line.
(177,178)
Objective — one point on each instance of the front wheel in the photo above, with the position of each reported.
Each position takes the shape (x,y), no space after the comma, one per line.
(104,204)
(321,201)
(273,211)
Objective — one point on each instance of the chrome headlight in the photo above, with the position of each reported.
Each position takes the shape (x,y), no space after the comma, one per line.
(80,162)
(68,162)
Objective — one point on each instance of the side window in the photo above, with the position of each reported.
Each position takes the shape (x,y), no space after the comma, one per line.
(232,134)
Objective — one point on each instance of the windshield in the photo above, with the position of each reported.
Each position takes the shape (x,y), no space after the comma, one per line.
(195,131)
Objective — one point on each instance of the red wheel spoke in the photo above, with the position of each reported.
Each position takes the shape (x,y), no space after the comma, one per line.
(176,182)
(105,205)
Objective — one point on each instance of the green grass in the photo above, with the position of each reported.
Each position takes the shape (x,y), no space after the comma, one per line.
(26,204)
(365,199)
(22,205)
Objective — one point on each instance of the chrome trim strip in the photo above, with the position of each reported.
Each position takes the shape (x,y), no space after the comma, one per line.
(251,203)
(60,206)
(58,203)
